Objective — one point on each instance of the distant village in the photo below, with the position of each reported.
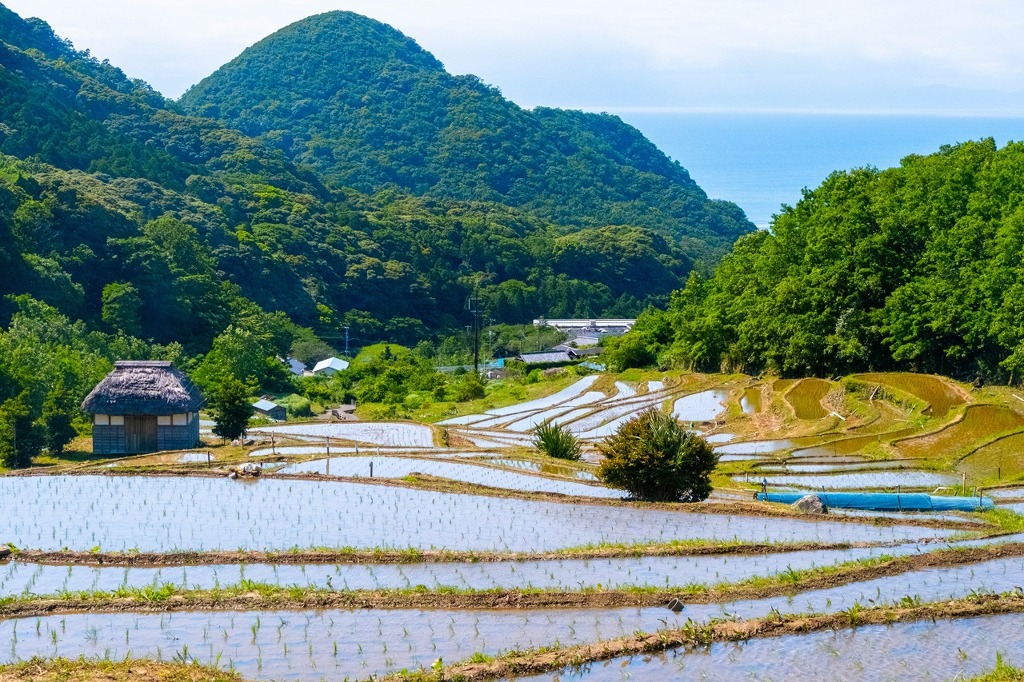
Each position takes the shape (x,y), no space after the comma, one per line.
(150,406)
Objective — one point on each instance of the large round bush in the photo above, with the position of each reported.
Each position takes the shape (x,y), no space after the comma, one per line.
(655,458)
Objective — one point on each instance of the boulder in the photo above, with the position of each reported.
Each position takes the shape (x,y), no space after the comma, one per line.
(248,470)
(810,504)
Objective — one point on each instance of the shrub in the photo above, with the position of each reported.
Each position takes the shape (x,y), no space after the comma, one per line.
(654,458)
(555,441)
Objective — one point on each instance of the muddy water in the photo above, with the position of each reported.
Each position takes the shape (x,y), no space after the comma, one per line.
(166,513)
(336,643)
(917,652)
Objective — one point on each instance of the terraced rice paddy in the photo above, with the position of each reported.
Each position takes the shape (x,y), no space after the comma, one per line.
(82,512)
(399,467)
(301,644)
(751,402)
(940,395)
(917,651)
(850,446)
(700,407)
(979,422)
(373,525)
(1002,459)
(370,433)
(806,396)
(18,578)
(863,480)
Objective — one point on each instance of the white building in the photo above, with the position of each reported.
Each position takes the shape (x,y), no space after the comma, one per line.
(330,366)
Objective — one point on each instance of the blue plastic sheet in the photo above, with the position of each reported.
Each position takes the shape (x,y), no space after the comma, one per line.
(886,501)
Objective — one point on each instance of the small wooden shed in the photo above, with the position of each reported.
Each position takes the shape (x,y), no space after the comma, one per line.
(270,409)
(143,406)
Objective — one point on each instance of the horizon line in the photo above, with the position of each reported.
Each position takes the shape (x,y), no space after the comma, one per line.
(809,111)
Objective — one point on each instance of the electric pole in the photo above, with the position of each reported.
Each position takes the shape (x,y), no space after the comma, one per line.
(473,306)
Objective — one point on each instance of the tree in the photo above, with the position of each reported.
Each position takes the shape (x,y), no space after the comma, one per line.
(57,418)
(20,438)
(654,458)
(231,409)
(121,307)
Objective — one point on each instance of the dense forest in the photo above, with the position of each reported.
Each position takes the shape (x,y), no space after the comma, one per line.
(135,227)
(919,267)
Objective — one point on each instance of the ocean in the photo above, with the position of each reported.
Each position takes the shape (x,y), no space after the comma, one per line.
(763,160)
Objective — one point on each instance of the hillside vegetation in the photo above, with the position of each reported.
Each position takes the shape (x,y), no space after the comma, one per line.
(370,109)
(917,268)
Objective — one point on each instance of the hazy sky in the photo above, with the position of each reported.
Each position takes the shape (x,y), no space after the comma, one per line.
(883,55)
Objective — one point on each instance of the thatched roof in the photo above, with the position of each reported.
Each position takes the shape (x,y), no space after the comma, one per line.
(143,387)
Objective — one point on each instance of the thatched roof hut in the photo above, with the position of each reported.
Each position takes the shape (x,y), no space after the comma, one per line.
(144,387)
(144,406)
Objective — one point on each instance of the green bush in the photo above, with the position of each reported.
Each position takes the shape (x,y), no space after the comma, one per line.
(556,441)
(655,458)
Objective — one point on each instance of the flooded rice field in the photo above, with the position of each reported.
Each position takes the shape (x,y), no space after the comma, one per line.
(308,644)
(394,434)
(82,512)
(543,467)
(700,407)
(859,480)
(399,467)
(940,395)
(978,423)
(924,651)
(18,578)
(806,397)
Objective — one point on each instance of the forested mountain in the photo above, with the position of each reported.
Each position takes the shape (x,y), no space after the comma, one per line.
(105,156)
(369,109)
(919,267)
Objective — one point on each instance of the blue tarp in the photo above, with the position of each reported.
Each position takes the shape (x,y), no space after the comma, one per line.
(887,501)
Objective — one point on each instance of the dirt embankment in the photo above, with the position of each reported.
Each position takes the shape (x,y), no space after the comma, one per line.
(389,556)
(63,670)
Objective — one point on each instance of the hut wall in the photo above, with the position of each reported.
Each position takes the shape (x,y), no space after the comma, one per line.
(178,437)
(108,440)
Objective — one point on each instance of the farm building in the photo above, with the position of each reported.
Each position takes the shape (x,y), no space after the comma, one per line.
(270,409)
(143,406)
(330,366)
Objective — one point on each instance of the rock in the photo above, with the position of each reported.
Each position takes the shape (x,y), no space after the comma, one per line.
(248,470)
(810,504)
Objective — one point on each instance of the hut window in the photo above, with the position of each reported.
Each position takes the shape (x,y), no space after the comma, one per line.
(116,420)
(163,420)
(101,420)
(180,419)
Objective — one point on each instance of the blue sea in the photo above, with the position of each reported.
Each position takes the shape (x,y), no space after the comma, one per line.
(763,160)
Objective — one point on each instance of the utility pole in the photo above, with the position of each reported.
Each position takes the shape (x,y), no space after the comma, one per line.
(473,306)
(346,340)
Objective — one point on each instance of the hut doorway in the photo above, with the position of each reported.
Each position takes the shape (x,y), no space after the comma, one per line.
(140,433)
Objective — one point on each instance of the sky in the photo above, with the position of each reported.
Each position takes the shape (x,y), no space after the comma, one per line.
(926,56)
